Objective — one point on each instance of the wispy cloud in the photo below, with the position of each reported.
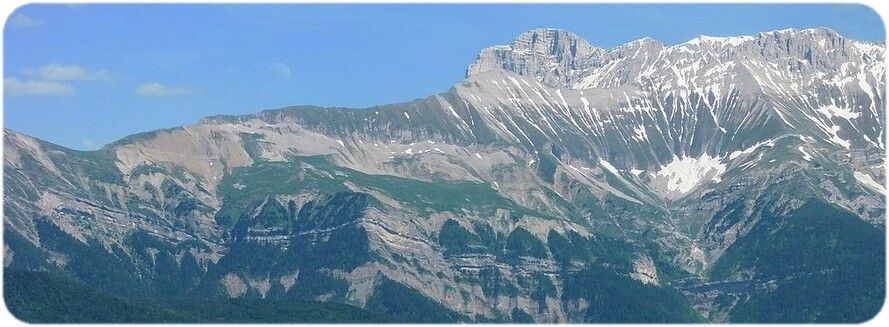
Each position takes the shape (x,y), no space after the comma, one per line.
(53,79)
(155,89)
(15,87)
(59,72)
(282,70)
(21,20)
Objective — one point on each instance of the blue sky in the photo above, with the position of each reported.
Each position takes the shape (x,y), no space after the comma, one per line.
(82,76)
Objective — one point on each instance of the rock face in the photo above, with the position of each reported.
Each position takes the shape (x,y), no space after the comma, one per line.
(559,182)
(556,56)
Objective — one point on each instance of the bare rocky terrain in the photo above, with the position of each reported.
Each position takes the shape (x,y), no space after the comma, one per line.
(559,182)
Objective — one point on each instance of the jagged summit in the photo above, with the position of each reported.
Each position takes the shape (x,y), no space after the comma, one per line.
(554,54)
(555,41)
(818,32)
(560,58)
(552,41)
(644,41)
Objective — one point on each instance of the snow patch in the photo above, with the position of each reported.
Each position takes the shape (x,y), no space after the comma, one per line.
(684,174)
(806,155)
(733,155)
(731,40)
(831,110)
(641,135)
(607,165)
(869,182)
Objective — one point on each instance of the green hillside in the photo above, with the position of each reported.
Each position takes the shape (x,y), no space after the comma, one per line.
(39,297)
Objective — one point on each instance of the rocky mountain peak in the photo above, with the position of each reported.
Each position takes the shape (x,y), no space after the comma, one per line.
(637,48)
(645,42)
(554,42)
(555,56)
(823,32)
(560,58)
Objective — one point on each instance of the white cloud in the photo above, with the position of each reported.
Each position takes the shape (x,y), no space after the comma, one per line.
(58,72)
(155,89)
(15,87)
(53,79)
(20,20)
(282,70)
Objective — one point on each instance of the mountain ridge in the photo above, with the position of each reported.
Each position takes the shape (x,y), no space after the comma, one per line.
(485,201)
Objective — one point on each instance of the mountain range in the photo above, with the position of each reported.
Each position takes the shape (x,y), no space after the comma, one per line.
(724,179)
